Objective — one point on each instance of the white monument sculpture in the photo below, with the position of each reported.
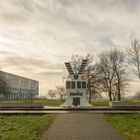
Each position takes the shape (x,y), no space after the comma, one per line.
(76,88)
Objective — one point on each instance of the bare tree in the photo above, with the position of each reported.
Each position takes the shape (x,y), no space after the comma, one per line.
(107,73)
(52,93)
(134,57)
(90,73)
(137,96)
(113,72)
(61,92)
(76,62)
(119,67)
(93,81)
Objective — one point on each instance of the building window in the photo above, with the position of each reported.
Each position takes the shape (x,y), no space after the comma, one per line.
(84,84)
(79,84)
(67,84)
(73,85)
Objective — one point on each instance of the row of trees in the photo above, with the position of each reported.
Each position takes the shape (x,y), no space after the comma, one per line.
(113,73)
(113,70)
(58,92)
(110,73)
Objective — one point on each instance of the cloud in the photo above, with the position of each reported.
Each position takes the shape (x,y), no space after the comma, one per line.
(37,36)
(31,63)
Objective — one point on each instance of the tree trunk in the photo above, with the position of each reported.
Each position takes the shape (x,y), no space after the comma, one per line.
(118,88)
(114,98)
(110,93)
(90,95)
(110,97)
(119,94)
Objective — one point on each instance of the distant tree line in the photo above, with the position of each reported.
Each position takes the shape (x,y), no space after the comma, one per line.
(59,92)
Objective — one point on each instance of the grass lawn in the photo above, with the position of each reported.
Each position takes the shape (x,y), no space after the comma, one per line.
(55,102)
(47,102)
(23,127)
(128,124)
(105,102)
(50,102)
(134,100)
(101,102)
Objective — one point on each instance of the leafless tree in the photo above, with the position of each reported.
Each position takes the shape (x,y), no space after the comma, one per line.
(137,96)
(76,62)
(134,57)
(90,73)
(61,92)
(119,67)
(52,93)
(93,81)
(107,73)
(113,72)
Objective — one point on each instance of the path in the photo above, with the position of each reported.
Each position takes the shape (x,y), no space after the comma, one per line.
(81,126)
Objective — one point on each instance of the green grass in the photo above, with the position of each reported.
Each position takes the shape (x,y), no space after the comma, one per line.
(55,102)
(101,102)
(23,127)
(105,102)
(134,100)
(50,102)
(128,124)
(47,102)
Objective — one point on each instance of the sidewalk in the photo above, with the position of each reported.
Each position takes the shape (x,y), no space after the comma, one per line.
(81,126)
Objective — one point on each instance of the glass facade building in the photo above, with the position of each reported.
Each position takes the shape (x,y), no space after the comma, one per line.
(19,87)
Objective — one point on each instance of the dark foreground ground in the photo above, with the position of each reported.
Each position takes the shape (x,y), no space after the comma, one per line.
(81,126)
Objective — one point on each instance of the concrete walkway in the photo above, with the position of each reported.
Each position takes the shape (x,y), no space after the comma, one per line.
(81,126)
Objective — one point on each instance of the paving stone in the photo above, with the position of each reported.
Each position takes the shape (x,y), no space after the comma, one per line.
(81,126)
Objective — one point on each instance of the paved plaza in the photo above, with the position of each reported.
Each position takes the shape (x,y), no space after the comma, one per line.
(81,126)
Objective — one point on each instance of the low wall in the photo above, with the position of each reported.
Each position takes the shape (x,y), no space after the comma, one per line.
(8,105)
(124,104)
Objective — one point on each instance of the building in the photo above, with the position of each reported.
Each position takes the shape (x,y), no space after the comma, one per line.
(18,87)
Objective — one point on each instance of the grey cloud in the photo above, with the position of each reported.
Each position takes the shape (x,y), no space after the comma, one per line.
(51,73)
(107,41)
(32,64)
(27,5)
(80,20)
(13,12)
(5,53)
(39,35)
(103,4)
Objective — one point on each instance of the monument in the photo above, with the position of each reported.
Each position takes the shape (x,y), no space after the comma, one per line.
(76,88)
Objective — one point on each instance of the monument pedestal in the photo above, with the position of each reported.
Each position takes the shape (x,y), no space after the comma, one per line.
(79,101)
(76,87)
(124,104)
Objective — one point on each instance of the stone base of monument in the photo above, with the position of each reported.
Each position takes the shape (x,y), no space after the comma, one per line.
(82,102)
(124,104)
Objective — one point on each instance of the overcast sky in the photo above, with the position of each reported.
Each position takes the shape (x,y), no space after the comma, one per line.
(37,36)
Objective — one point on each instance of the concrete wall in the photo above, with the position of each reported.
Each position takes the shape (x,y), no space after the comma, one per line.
(124,104)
